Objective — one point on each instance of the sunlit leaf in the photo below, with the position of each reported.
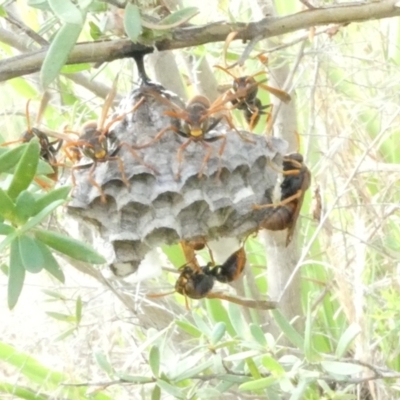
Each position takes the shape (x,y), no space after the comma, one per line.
(156,393)
(11,157)
(288,329)
(61,317)
(48,198)
(188,328)
(345,340)
(168,388)
(258,384)
(218,332)
(50,263)
(20,392)
(6,229)
(132,22)
(133,378)
(341,368)
(7,209)
(251,365)
(24,207)
(66,11)
(78,309)
(26,169)
(31,254)
(70,247)
(58,52)
(16,275)
(177,18)
(154,360)
(103,363)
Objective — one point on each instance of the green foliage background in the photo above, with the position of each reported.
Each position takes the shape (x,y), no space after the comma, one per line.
(346,90)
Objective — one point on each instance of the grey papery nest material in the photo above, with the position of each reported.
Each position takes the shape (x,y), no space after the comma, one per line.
(158,209)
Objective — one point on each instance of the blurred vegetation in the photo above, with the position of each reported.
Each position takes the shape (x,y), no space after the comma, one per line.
(346,90)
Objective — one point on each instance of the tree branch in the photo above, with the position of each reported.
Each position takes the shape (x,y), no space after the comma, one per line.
(193,36)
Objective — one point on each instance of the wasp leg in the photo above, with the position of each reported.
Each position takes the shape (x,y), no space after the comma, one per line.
(281,203)
(156,138)
(137,157)
(179,156)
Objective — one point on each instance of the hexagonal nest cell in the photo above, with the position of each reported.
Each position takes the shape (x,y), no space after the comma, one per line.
(158,208)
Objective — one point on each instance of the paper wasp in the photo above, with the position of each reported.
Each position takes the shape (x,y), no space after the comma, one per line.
(247,101)
(197,282)
(293,187)
(48,149)
(99,145)
(197,122)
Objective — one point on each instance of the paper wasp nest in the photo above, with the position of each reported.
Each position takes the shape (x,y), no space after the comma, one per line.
(157,208)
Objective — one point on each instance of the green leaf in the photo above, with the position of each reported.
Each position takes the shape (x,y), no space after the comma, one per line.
(78,310)
(258,383)
(31,254)
(58,52)
(44,168)
(20,392)
(48,198)
(258,334)
(55,295)
(251,365)
(156,393)
(16,275)
(345,340)
(11,157)
(65,334)
(40,216)
(40,4)
(178,18)
(104,364)
(237,320)
(6,229)
(272,365)
(8,240)
(341,368)
(66,11)
(26,169)
(61,317)
(154,360)
(172,390)
(196,370)
(291,333)
(70,247)
(132,22)
(218,332)
(24,207)
(134,378)
(95,31)
(74,68)
(7,209)
(189,328)
(50,263)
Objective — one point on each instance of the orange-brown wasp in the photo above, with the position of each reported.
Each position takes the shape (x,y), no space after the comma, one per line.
(247,89)
(48,149)
(293,187)
(197,121)
(99,145)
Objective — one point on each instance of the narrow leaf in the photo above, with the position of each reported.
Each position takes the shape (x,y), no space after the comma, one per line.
(66,11)
(258,334)
(6,229)
(26,169)
(258,383)
(24,207)
(78,310)
(31,254)
(58,52)
(172,390)
(50,263)
(7,209)
(70,247)
(255,373)
(134,378)
(40,216)
(48,198)
(345,340)
(11,157)
(288,329)
(185,326)
(218,332)
(132,22)
(103,363)
(154,360)
(16,275)
(60,316)
(178,18)
(341,368)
